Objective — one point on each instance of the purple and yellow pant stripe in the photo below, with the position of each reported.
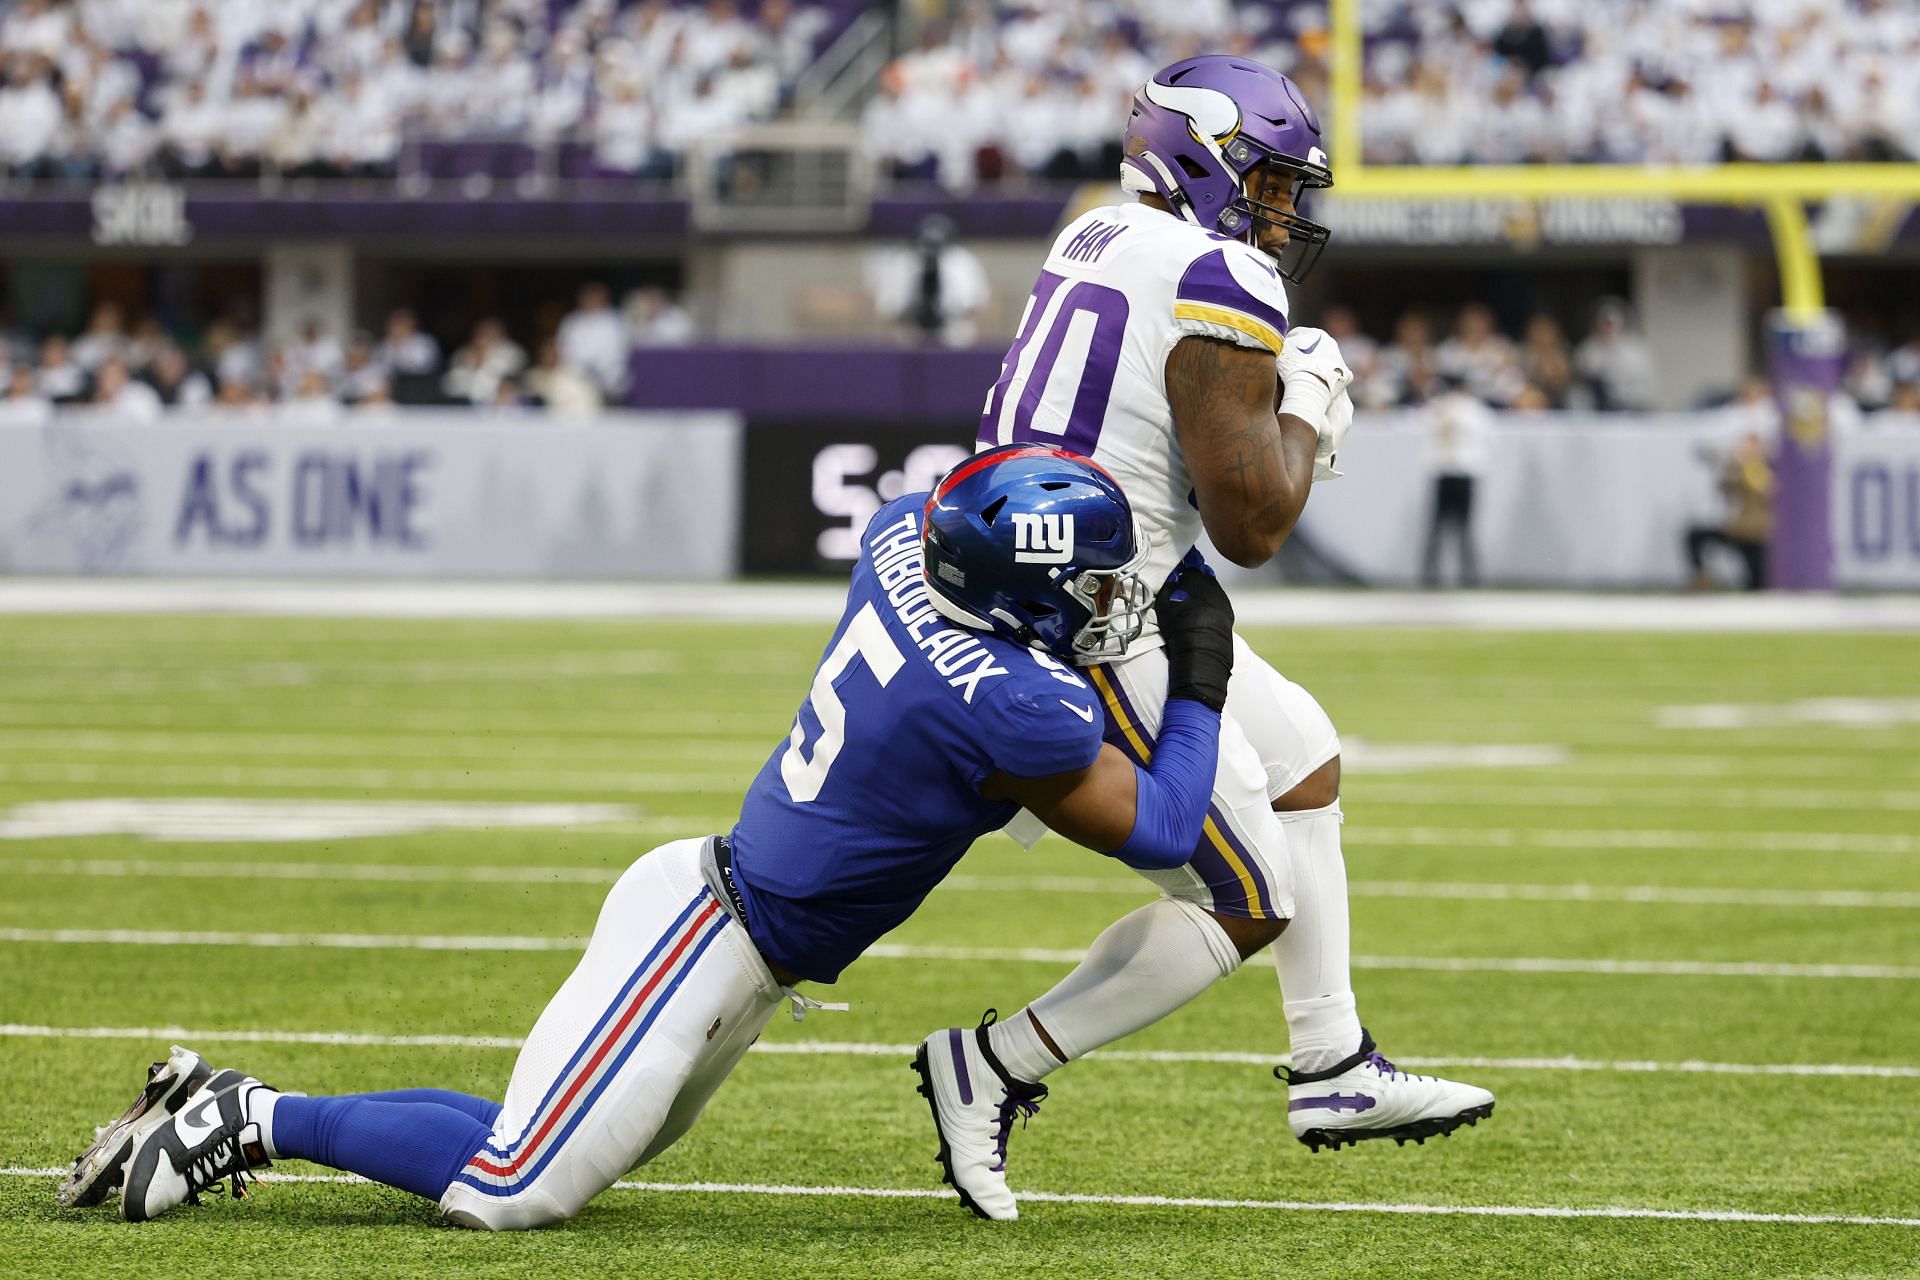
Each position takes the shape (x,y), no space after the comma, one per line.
(1229,870)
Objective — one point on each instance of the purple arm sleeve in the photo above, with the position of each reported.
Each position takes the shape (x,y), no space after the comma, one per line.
(1170,807)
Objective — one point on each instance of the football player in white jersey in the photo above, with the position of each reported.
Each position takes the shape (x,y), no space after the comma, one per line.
(1157,342)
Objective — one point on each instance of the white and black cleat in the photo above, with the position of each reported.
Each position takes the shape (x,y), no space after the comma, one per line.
(101,1167)
(211,1138)
(1364,1097)
(974,1101)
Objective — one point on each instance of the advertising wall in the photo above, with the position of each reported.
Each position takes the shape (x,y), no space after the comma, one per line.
(421,494)
(1567,500)
(1876,508)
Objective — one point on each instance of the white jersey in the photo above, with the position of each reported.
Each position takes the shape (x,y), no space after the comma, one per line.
(1087,371)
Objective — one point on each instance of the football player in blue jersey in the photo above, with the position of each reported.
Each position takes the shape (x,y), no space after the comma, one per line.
(946,701)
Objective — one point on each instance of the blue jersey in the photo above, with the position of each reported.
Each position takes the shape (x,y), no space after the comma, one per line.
(876,793)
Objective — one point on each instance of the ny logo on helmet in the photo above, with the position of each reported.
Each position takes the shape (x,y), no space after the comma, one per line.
(1042,539)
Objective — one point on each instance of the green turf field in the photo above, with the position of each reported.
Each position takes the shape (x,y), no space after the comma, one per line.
(1675,952)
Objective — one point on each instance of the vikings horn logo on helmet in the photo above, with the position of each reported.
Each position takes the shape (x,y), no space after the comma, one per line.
(1213,114)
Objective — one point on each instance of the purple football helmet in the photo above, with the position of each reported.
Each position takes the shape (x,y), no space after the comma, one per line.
(1200,126)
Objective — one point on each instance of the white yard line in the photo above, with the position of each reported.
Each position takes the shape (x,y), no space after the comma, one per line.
(1171,1202)
(1529,795)
(864,1049)
(1253,606)
(428,873)
(322,778)
(1363,833)
(903,951)
(643,779)
(498,747)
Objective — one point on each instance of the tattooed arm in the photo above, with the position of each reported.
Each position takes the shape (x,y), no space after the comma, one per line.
(1251,470)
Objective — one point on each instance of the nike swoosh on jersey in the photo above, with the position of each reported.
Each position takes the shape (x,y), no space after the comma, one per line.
(1085,713)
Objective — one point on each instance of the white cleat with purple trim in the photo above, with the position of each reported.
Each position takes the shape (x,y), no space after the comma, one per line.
(974,1101)
(1364,1097)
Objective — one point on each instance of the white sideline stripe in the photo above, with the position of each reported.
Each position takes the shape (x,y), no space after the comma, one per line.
(1118,887)
(1459,795)
(1169,1202)
(320,778)
(31,1031)
(862,1049)
(648,780)
(1467,964)
(903,951)
(1846,713)
(1634,838)
(1253,606)
(116,868)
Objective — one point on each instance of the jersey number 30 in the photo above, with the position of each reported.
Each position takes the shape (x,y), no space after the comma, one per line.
(1063,390)
(865,639)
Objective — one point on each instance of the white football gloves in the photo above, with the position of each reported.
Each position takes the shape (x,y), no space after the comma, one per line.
(1315,378)
(1333,433)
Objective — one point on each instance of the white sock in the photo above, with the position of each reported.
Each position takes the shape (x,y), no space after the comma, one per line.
(1313,957)
(1140,969)
(260,1104)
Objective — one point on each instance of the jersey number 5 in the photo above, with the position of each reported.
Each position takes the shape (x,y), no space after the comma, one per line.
(865,639)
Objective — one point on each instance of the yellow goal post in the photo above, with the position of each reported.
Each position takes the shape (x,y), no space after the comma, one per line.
(1782,190)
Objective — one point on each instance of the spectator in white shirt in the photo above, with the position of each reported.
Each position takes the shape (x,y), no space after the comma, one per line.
(1458,450)
(127,141)
(593,340)
(31,115)
(311,402)
(935,287)
(177,381)
(130,400)
(314,351)
(104,339)
(25,405)
(361,374)
(408,355)
(561,387)
(36,26)
(1479,357)
(60,379)
(654,319)
(1616,360)
(479,367)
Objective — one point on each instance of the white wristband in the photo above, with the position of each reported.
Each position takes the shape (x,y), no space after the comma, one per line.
(1307,397)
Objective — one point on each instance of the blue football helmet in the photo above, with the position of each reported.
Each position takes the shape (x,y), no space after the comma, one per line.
(1039,546)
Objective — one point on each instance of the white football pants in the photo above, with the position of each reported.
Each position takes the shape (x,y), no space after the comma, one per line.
(662,1006)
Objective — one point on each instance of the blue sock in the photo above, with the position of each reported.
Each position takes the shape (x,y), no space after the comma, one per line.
(417,1146)
(485,1110)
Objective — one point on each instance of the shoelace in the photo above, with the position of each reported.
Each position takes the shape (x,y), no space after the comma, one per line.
(1385,1068)
(224,1158)
(1024,1099)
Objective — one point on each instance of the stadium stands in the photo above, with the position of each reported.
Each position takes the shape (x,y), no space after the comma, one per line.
(445,89)
(1026,88)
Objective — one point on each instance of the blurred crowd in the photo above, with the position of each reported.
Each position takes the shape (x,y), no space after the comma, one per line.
(139,369)
(1031,88)
(193,88)
(1629,81)
(1611,367)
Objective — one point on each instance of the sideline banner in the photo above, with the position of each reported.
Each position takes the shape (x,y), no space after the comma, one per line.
(1876,508)
(412,494)
(1602,500)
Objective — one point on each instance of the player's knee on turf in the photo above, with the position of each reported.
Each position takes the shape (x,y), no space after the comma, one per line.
(526,1213)
(1315,791)
(1249,936)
